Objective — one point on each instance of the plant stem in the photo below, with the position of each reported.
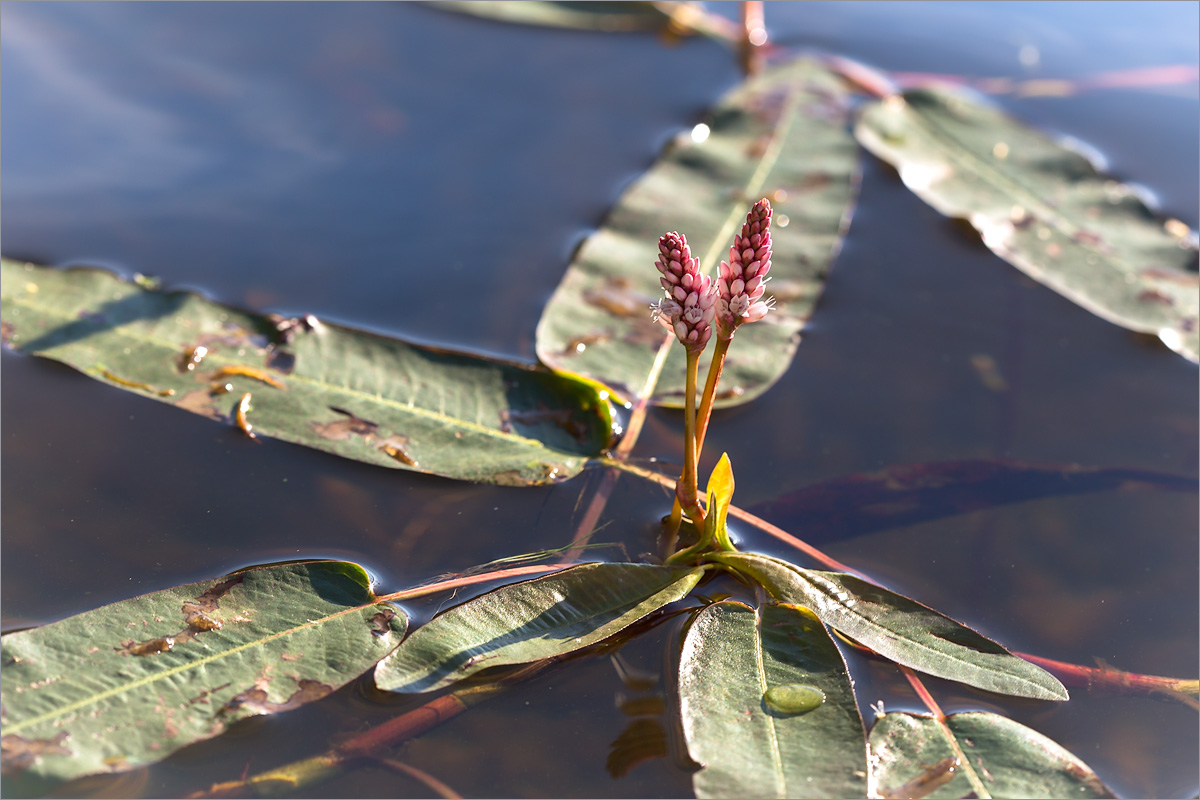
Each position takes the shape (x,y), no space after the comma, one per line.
(963,762)
(746,516)
(1105,677)
(710,389)
(686,490)
(754,36)
(289,778)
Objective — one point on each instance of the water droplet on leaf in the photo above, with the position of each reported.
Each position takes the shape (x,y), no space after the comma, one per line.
(793,698)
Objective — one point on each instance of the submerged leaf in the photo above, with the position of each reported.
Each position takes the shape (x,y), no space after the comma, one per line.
(344,391)
(898,628)
(906,494)
(674,18)
(908,750)
(127,684)
(1045,209)
(782,135)
(522,622)
(767,706)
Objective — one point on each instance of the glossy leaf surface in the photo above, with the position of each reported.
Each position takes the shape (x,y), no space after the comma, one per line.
(734,656)
(129,683)
(781,135)
(898,628)
(344,391)
(909,753)
(522,622)
(1043,208)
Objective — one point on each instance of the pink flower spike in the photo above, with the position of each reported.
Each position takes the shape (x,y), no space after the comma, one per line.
(743,277)
(690,301)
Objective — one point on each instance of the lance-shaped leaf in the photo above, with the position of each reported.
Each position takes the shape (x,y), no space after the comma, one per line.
(767,706)
(522,622)
(911,756)
(782,135)
(348,392)
(127,684)
(898,628)
(1043,208)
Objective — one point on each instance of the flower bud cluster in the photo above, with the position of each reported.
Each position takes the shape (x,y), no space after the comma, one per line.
(691,299)
(742,279)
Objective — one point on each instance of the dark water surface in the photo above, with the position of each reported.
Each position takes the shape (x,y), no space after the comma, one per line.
(428,175)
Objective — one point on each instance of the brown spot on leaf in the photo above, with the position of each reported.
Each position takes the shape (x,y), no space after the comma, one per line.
(281,360)
(147,648)
(205,697)
(397,447)
(563,418)
(288,328)
(192,357)
(928,781)
(578,344)
(256,700)
(239,416)
(1170,276)
(618,297)
(198,613)
(381,622)
(199,402)
(291,656)
(240,370)
(234,337)
(6,332)
(108,375)
(342,429)
(20,753)
(1152,296)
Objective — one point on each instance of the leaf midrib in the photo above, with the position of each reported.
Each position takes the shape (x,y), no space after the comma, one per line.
(454,422)
(736,212)
(956,150)
(974,668)
(151,679)
(772,732)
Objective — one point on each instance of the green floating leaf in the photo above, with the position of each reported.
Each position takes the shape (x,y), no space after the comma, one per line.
(522,622)
(912,757)
(348,392)
(583,16)
(675,18)
(783,135)
(127,684)
(767,706)
(898,628)
(1045,209)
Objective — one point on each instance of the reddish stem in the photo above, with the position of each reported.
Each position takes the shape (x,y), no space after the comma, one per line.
(1106,677)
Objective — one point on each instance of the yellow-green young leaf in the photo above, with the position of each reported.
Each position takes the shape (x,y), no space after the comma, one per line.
(720,494)
(911,757)
(767,706)
(1045,209)
(898,628)
(783,135)
(127,684)
(344,391)
(523,622)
